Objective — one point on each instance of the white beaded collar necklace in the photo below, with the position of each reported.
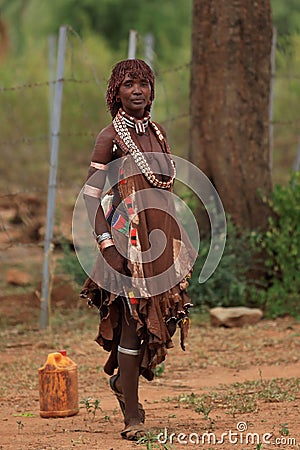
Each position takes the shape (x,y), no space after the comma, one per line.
(128,145)
(139,125)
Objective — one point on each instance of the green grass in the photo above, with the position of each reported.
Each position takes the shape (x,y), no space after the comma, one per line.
(241,398)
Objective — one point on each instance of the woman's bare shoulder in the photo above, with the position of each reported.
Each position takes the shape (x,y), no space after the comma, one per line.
(103,146)
(106,134)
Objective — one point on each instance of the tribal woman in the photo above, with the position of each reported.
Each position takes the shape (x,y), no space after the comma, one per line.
(145,258)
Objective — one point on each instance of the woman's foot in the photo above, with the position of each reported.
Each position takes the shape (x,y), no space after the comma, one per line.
(134,431)
(115,386)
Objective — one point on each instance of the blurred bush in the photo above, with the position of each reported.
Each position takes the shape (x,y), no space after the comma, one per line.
(281,243)
(258,269)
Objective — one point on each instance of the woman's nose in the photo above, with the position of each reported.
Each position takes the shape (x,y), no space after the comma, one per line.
(137,88)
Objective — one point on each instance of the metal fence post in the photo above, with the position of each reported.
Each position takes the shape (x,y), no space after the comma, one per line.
(55,121)
(51,62)
(149,52)
(132,44)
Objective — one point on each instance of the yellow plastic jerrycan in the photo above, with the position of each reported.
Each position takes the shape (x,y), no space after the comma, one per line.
(58,386)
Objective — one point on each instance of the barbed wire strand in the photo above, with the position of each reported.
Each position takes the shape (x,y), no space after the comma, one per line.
(9,239)
(38,84)
(92,133)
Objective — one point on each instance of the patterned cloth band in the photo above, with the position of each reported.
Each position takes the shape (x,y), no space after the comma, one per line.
(120,223)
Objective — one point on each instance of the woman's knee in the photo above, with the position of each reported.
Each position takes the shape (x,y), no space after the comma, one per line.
(129,338)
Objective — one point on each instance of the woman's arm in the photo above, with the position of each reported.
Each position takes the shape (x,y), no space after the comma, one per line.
(99,167)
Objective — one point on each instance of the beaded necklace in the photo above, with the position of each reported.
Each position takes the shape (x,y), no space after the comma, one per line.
(128,145)
(140,126)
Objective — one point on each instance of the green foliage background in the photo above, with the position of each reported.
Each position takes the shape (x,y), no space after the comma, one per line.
(95,43)
(98,40)
(275,253)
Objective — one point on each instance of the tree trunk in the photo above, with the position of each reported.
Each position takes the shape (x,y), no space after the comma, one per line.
(230,90)
(3,39)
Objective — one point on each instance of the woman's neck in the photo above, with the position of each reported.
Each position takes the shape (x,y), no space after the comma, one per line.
(139,125)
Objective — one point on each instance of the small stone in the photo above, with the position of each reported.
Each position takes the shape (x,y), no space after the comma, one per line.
(18,278)
(236,316)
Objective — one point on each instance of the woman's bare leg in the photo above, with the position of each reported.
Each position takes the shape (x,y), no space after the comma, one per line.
(129,370)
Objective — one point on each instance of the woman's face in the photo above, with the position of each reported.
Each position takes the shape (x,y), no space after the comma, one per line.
(134,94)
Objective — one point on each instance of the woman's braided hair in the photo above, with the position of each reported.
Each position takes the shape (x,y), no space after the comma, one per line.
(135,68)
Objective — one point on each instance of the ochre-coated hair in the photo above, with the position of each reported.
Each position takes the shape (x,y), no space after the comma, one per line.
(135,68)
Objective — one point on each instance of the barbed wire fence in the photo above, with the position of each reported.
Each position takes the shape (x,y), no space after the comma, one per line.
(25,141)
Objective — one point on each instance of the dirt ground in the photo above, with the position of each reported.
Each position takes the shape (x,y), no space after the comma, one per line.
(231,389)
(244,380)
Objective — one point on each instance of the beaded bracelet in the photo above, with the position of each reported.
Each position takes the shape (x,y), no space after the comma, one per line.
(105,244)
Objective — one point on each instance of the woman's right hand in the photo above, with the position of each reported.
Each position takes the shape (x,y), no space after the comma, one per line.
(115,260)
